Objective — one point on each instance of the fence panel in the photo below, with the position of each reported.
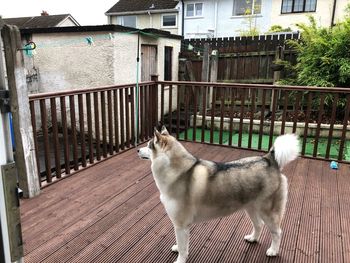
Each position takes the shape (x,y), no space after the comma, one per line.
(76,129)
(241,59)
(231,115)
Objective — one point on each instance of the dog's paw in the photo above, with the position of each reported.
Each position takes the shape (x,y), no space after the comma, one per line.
(174,248)
(271,252)
(180,260)
(250,239)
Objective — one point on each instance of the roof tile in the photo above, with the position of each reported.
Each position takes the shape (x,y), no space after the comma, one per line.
(141,5)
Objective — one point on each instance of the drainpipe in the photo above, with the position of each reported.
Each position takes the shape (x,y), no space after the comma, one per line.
(216,10)
(182,18)
(150,19)
(333,12)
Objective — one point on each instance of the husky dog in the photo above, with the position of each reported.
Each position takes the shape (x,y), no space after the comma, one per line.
(194,190)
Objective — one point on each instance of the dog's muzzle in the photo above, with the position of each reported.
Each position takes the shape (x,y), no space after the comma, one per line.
(144,153)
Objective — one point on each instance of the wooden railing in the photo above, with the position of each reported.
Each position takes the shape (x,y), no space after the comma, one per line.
(76,129)
(251,116)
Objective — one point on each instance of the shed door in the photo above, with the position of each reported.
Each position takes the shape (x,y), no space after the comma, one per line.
(148,62)
(168,53)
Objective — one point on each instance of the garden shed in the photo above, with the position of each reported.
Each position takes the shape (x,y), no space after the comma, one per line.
(67,58)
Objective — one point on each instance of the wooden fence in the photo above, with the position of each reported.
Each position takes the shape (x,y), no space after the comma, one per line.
(241,59)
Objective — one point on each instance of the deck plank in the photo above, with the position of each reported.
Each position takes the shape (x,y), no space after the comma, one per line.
(344,208)
(307,249)
(330,238)
(111,213)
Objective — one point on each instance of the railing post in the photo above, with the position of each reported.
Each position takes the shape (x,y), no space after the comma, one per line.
(11,247)
(154,94)
(25,154)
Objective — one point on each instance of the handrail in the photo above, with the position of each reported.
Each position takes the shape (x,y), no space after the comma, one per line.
(262,86)
(49,95)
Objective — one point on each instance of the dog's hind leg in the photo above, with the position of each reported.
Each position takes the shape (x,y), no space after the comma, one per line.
(273,225)
(257,225)
(182,243)
(273,216)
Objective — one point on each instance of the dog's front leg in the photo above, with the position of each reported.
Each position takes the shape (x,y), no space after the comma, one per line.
(182,243)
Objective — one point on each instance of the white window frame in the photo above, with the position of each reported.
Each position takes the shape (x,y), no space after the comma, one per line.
(298,12)
(253,9)
(194,10)
(170,14)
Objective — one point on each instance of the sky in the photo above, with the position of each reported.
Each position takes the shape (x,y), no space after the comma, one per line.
(86,12)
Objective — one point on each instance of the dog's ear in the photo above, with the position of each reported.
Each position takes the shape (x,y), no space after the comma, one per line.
(164,131)
(157,135)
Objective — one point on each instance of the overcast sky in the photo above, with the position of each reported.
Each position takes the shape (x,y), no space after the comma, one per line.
(84,11)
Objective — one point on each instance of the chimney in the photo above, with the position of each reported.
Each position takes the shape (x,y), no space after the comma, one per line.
(44,13)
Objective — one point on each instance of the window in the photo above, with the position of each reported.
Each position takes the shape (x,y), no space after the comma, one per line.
(169,20)
(298,6)
(246,7)
(129,21)
(195,9)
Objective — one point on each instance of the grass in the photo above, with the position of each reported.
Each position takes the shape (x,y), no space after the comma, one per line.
(309,149)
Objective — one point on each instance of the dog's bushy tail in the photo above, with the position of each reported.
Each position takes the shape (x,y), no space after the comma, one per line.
(286,149)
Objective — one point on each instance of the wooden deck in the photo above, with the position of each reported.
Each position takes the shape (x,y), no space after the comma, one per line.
(111,213)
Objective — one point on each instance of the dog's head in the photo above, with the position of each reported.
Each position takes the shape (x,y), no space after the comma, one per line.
(160,143)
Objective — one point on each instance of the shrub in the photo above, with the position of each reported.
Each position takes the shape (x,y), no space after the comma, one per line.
(323,58)
(278,28)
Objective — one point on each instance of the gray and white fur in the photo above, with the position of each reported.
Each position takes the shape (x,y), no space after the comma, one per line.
(193,190)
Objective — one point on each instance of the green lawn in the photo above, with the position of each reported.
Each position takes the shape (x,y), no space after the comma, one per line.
(321,149)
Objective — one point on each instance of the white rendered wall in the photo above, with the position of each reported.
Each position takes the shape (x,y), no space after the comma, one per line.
(323,14)
(224,24)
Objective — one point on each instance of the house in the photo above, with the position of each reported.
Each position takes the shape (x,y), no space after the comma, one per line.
(226,18)
(75,57)
(159,14)
(288,13)
(43,21)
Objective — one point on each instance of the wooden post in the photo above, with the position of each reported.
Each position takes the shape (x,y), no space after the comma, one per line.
(25,155)
(10,250)
(278,55)
(205,73)
(182,69)
(276,74)
(190,73)
(155,107)
(214,63)
(205,65)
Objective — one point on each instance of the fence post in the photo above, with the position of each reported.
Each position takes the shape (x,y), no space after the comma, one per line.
(205,65)
(278,55)
(182,69)
(25,152)
(214,61)
(276,74)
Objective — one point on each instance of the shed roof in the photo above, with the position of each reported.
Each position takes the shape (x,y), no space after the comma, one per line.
(38,21)
(123,6)
(99,28)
